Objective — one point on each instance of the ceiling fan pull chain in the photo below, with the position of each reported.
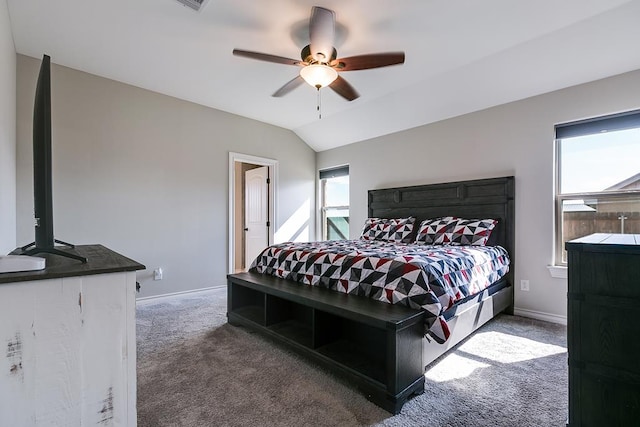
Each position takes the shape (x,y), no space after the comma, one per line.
(319,104)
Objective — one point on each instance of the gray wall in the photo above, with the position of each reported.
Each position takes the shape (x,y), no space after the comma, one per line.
(512,139)
(147,175)
(7,134)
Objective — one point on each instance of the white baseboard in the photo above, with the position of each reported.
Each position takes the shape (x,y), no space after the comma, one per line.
(155,298)
(539,315)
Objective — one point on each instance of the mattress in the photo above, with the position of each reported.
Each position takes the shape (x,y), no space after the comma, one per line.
(432,278)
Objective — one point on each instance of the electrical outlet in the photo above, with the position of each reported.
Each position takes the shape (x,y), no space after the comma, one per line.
(157,274)
(524,285)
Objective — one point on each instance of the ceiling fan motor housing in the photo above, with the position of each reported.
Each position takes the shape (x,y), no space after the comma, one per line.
(307,57)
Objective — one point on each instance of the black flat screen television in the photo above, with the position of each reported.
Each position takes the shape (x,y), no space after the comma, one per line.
(42,185)
(42,171)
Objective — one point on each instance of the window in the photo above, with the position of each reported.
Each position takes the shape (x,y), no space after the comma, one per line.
(597,178)
(334,201)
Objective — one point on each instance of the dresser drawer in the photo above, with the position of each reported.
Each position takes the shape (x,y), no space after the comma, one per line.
(598,401)
(608,274)
(609,329)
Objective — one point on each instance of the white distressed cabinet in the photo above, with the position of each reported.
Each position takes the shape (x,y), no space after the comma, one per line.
(68,342)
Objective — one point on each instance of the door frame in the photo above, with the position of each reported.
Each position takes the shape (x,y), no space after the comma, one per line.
(272,194)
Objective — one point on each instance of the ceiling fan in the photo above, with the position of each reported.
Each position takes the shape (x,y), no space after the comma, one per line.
(320,65)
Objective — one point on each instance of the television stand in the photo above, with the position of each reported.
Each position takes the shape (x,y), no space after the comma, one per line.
(51,250)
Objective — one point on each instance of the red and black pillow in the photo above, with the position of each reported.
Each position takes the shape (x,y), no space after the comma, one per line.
(389,229)
(437,231)
(455,231)
(473,232)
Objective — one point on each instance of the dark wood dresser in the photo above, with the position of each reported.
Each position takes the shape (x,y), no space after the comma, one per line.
(603,330)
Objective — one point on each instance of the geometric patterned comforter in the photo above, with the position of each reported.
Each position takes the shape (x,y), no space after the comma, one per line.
(431,278)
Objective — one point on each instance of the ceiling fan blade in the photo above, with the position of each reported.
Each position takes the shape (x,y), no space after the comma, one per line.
(266,57)
(289,86)
(344,89)
(322,33)
(365,62)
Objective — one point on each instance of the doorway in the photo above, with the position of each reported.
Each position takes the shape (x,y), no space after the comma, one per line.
(250,203)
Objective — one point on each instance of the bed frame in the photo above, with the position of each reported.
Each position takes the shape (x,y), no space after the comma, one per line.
(380,348)
(484,198)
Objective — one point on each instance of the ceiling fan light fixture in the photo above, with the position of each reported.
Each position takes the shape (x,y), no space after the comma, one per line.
(318,75)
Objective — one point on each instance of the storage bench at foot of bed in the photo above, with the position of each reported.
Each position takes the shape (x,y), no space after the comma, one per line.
(373,345)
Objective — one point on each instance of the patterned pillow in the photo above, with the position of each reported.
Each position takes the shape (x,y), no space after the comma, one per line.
(474,232)
(390,229)
(438,231)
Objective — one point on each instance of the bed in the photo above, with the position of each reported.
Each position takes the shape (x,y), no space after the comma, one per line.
(302,316)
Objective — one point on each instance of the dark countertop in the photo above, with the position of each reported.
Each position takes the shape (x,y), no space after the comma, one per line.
(100,260)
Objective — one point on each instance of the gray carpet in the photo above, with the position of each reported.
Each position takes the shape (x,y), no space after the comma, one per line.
(196,370)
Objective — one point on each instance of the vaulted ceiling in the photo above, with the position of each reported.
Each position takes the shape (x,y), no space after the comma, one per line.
(461,56)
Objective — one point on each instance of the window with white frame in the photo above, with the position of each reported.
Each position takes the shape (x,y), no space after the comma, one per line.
(334,202)
(597,178)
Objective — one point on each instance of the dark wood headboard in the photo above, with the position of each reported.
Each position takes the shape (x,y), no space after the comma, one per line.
(481,198)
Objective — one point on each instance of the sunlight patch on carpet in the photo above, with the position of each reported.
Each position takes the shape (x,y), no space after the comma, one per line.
(453,367)
(506,348)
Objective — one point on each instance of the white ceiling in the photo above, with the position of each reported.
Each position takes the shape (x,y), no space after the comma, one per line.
(461,56)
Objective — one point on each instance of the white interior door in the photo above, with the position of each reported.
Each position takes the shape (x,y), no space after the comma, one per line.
(256,217)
